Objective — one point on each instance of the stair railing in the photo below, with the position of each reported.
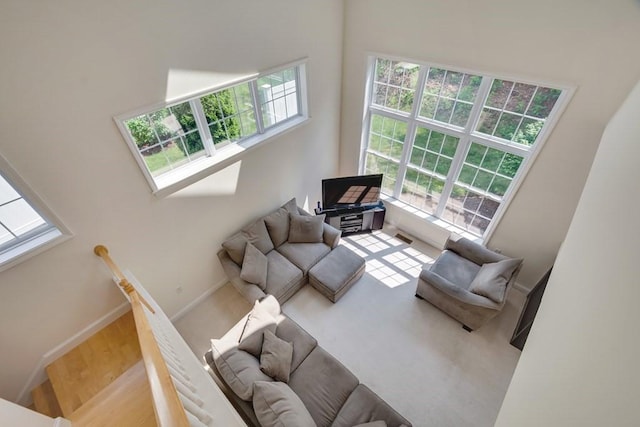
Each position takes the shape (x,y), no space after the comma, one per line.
(167,404)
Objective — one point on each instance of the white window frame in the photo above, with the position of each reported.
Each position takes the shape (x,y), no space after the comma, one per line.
(39,240)
(216,159)
(466,135)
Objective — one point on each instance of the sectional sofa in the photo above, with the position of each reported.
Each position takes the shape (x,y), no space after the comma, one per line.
(310,388)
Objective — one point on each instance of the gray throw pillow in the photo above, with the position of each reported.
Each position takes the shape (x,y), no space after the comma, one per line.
(491,280)
(291,206)
(278,226)
(276,356)
(258,321)
(254,267)
(257,234)
(305,228)
(275,404)
(235,247)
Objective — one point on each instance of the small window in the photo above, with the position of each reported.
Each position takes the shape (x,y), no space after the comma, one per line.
(24,228)
(178,140)
(453,143)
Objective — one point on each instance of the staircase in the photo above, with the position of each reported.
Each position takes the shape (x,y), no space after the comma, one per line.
(101,382)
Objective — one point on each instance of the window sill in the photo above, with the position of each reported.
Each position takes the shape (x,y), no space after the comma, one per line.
(186,175)
(434,235)
(28,249)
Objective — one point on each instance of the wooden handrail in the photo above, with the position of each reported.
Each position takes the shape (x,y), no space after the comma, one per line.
(103,253)
(166,403)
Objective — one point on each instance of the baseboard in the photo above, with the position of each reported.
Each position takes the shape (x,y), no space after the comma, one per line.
(187,308)
(521,288)
(38,376)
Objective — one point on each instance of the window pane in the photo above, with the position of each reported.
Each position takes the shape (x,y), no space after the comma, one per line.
(516,111)
(470,211)
(19,218)
(387,136)
(421,190)
(394,84)
(375,164)
(428,151)
(164,157)
(278,96)
(448,96)
(488,170)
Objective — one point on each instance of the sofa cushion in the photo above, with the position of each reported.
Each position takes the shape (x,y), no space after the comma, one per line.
(282,274)
(455,269)
(303,343)
(364,406)
(491,280)
(258,321)
(276,404)
(254,267)
(305,228)
(257,234)
(275,359)
(238,368)
(278,226)
(235,247)
(304,255)
(323,384)
(291,206)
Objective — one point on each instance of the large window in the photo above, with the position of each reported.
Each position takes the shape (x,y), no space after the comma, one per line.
(181,139)
(450,143)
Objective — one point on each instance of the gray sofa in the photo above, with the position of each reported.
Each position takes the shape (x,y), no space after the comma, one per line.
(330,393)
(288,263)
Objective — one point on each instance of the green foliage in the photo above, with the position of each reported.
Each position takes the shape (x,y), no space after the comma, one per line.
(141,131)
(217,108)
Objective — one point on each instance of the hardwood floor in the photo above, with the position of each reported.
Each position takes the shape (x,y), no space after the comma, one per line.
(90,367)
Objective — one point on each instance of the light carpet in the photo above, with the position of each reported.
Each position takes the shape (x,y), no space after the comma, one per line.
(413,355)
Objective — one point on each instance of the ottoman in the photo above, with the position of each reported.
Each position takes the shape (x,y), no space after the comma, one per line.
(337,272)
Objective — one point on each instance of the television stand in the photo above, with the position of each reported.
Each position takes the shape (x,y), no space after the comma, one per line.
(355,219)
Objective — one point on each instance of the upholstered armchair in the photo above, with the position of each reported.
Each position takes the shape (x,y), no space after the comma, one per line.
(468,282)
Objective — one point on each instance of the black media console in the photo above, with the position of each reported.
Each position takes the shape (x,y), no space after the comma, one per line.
(355,219)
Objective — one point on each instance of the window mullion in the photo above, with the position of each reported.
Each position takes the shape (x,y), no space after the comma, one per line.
(203,128)
(257,108)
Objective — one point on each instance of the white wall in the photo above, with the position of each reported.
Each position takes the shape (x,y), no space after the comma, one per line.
(15,415)
(580,363)
(67,68)
(587,44)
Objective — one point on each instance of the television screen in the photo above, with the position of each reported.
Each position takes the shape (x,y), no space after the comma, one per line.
(351,191)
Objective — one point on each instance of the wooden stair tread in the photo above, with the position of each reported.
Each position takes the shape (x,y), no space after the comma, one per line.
(124,402)
(84,371)
(44,400)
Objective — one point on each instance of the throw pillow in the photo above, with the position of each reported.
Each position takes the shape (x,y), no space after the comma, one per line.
(276,356)
(278,226)
(491,280)
(257,234)
(275,404)
(254,267)
(291,206)
(305,228)
(235,247)
(258,321)
(238,368)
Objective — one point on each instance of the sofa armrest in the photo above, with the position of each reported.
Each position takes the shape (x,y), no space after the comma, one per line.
(473,251)
(331,235)
(460,294)
(248,290)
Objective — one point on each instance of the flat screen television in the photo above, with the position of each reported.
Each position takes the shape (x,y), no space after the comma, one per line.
(360,190)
